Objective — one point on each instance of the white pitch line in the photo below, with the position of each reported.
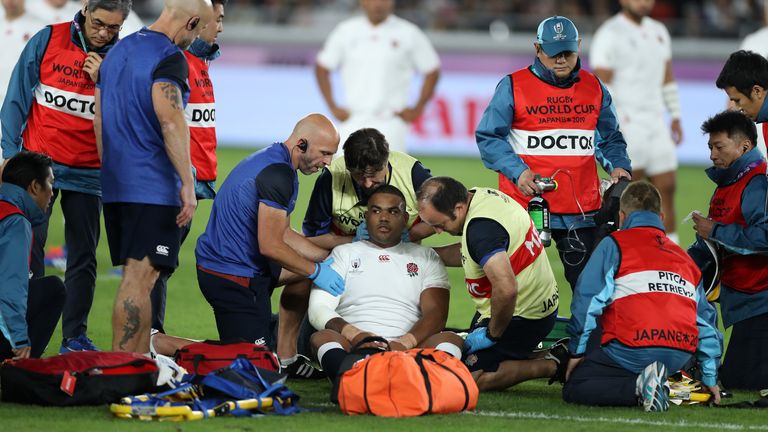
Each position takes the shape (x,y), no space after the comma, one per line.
(681,423)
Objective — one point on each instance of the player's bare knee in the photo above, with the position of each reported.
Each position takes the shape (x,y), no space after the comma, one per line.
(443,337)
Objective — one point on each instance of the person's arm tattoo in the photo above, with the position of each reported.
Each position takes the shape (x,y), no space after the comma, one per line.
(172,94)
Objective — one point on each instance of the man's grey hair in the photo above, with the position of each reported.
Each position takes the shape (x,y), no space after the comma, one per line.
(123,6)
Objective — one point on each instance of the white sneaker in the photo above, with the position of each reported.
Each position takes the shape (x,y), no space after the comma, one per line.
(171,373)
(653,388)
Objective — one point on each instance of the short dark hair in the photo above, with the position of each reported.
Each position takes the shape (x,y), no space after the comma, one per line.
(734,123)
(742,70)
(443,193)
(25,167)
(221,2)
(640,196)
(122,6)
(366,148)
(391,190)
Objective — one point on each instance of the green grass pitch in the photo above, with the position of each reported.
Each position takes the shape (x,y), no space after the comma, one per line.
(529,406)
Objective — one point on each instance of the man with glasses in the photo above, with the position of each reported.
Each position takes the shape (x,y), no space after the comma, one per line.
(553,119)
(49,109)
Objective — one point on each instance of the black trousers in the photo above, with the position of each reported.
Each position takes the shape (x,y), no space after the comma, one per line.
(575,248)
(81,235)
(45,300)
(746,359)
(161,288)
(242,313)
(600,381)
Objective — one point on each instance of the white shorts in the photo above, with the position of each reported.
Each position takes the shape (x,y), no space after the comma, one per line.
(394,129)
(649,143)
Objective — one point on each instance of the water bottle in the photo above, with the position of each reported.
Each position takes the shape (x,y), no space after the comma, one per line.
(538,209)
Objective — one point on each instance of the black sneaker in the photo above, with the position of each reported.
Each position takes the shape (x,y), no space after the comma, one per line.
(302,368)
(559,353)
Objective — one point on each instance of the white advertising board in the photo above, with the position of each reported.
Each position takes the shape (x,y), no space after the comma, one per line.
(257,105)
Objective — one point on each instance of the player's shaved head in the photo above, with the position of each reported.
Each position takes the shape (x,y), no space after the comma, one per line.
(312,143)
(183,20)
(186,8)
(315,126)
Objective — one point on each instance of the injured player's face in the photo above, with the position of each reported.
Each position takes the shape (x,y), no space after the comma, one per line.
(386,219)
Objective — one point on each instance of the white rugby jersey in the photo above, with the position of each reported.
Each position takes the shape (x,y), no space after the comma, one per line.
(637,55)
(377,63)
(383,286)
(14,35)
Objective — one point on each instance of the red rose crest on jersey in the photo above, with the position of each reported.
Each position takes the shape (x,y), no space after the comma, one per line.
(412,269)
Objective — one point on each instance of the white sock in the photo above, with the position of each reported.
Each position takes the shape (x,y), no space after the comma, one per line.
(450,349)
(674,237)
(152,334)
(325,348)
(289,361)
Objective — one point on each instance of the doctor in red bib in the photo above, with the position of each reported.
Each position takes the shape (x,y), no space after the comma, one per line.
(555,119)
(49,108)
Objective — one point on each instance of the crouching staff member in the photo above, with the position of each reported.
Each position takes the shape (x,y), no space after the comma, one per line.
(29,308)
(508,276)
(645,293)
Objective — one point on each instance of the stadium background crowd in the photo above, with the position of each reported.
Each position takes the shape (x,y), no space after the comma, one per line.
(693,18)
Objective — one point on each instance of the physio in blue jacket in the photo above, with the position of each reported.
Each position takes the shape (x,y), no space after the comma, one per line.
(737,227)
(29,308)
(640,300)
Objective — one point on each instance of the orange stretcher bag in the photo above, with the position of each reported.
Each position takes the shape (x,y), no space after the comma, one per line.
(406,384)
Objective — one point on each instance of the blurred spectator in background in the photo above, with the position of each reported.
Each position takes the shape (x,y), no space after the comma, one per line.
(54,11)
(16,28)
(631,53)
(696,18)
(377,55)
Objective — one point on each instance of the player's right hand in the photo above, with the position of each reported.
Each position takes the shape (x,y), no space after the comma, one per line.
(92,64)
(327,279)
(361,233)
(526,183)
(188,204)
(341,114)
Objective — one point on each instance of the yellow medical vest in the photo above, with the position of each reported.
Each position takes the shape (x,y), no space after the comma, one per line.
(537,295)
(347,209)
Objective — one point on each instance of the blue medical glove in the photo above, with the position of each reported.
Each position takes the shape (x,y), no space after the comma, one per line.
(405,237)
(477,340)
(327,279)
(362,232)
